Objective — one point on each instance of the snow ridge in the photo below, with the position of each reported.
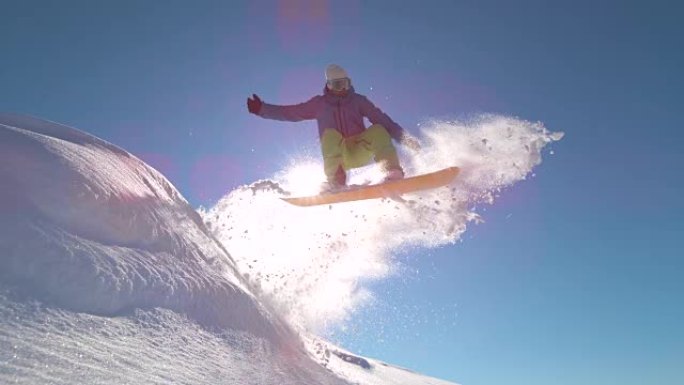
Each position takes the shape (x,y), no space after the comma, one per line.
(86,226)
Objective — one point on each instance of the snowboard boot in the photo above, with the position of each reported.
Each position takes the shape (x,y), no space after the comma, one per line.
(394,174)
(336,183)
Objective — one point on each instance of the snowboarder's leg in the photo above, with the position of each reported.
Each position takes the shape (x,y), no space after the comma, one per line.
(340,154)
(332,145)
(357,151)
(381,146)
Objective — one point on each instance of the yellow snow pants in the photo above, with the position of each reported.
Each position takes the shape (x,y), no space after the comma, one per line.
(340,153)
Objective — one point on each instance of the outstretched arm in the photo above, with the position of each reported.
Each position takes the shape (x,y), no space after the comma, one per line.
(293,113)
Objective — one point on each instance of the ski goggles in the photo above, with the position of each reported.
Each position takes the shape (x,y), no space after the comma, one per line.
(342,84)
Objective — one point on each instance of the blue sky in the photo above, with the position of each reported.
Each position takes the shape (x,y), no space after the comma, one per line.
(576,275)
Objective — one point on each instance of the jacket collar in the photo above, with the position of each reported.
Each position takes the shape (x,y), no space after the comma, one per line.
(332,98)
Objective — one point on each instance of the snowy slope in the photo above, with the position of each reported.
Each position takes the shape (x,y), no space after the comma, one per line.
(363,370)
(107,275)
(91,228)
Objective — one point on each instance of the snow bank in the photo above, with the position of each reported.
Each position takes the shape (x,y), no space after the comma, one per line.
(88,227)
(313,262)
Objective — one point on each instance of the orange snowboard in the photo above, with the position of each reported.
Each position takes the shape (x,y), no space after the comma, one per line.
(384,190)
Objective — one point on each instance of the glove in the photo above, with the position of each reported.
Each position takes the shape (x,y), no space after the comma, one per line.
(254,105)
(410,142)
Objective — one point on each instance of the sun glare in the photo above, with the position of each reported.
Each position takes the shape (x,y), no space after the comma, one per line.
(304,178)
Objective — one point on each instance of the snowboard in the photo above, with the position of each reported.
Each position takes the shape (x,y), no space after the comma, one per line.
(390,189)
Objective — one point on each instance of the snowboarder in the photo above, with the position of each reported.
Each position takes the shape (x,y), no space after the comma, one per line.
(346,142)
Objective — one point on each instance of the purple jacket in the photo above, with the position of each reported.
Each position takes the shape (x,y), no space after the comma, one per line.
(342,113)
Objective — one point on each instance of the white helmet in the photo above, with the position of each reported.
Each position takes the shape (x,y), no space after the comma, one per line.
(336,78)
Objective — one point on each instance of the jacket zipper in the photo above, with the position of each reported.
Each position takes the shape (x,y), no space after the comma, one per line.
(339,115)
